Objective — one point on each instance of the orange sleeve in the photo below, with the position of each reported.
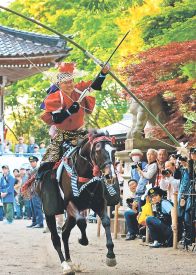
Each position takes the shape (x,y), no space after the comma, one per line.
(53,102)
(89,104)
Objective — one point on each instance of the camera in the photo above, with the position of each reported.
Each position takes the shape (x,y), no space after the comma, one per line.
(135,166)
(166,172)
(129,201)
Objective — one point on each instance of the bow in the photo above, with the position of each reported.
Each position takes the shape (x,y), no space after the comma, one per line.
(99,62)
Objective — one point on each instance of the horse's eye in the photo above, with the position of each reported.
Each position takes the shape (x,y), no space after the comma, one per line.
(97,147)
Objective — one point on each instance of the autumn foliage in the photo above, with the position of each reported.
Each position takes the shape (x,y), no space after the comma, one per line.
(158,71)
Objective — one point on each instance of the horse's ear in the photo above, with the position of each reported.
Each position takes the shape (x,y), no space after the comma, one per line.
(107,133)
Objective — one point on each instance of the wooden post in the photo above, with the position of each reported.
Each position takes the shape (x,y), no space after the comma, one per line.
(98,227)
(116,221)
(175,221)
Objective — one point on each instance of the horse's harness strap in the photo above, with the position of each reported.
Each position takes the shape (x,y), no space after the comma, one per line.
(81,179)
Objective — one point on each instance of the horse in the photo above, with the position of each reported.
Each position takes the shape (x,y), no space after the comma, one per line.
(94,165)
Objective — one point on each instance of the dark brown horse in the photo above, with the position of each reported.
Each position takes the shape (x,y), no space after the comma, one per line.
(93,163)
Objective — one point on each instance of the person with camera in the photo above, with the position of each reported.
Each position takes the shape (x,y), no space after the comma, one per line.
(131,212)
(162,156)
(168,182)
(147,175)
(136,156)
(160,224)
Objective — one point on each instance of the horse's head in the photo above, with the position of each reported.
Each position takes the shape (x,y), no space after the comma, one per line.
(103,154)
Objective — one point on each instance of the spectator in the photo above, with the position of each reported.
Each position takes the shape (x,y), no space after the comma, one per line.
(31,146)
(162,156)
(25,202)
(160,224)
(119,172)
(7,150)
(37,152)
(1,148)
(131,213)
(147,175)
(184,199)
(21,147)
(7,193)
(42,148)
(136,156)
(17,201)
(36,205)
(1,209)
(168,182)
(15,172)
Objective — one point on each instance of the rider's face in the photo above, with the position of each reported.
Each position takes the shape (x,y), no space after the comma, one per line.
(67,86)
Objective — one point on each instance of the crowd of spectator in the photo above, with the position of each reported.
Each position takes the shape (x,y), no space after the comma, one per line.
(23,149)
(152,186)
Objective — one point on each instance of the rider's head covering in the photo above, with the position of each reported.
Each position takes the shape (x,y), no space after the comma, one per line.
(68,71)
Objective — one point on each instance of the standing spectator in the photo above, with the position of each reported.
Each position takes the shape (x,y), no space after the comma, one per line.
(37,152)
(1,209)
(24,201)
(1,147)
(147,175)
(131,213)
(168,181)
(7,193)
(31,146)
(42,148)
(36,205)
(136,156)
(15,172)
(162,156)
(21,147)
(17,200)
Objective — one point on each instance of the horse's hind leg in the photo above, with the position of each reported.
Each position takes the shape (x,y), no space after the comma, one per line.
(51,223)
(110,257)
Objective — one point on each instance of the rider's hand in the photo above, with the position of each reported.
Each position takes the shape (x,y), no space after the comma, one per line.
(105,69)
(74,108)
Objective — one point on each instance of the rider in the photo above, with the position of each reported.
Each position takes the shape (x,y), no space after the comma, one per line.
(63,112)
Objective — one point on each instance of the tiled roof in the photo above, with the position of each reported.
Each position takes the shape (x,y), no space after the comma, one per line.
(15,43)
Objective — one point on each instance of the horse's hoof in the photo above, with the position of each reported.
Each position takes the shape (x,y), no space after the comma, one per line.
(111,262)
(83,242)
(67,270)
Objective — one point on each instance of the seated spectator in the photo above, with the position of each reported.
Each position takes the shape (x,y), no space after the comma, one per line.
(42,148)
(31,146)
(160,224)
(131,213)
(162,156)
(7,193)
(147,175)
(168,182)
(136,156)
(21,147)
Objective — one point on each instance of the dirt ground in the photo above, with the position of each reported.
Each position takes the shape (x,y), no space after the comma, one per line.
(25,251)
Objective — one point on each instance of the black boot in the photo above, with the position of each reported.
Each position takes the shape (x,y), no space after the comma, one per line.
(43,168)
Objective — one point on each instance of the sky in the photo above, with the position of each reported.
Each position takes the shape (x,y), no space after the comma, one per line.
(5,3)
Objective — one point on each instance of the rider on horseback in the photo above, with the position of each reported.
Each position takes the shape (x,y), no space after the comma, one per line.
(63,112)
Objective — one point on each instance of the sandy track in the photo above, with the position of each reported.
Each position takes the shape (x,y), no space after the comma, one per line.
(29,252)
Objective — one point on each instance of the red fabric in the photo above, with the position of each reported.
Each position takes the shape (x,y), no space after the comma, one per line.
(83,180)
(73,122)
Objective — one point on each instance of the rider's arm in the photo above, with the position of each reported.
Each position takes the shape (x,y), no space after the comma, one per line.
(60,115)
(97,83)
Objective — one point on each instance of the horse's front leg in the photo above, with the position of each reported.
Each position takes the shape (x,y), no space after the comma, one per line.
(80,221)
(110,257)
(51,223)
